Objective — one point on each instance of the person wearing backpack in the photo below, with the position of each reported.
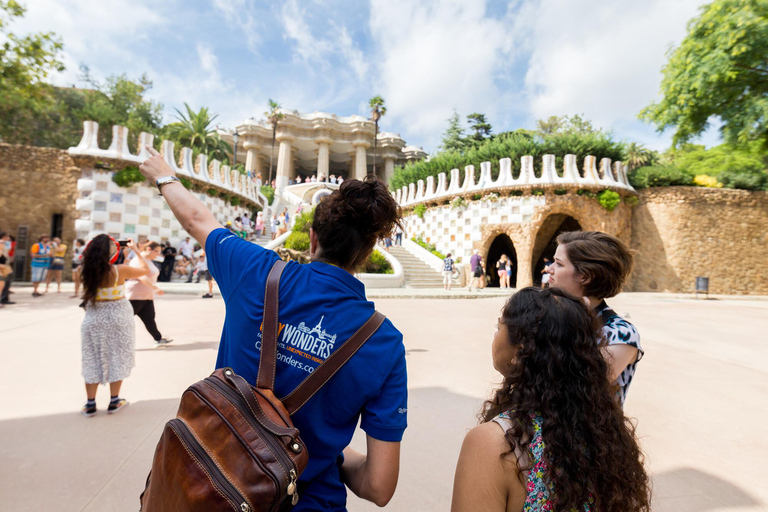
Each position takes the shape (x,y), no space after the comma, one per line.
(320,305)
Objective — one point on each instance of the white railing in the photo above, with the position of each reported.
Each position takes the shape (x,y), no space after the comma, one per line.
(216,175)
(606,177)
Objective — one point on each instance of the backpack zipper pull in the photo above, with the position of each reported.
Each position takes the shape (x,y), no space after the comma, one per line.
(291,489)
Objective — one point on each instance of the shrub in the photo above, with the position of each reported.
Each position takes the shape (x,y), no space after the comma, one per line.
(428,246)
(458,202)
(702,180)
(128,177)
(659,176)
(419,210)
(609,199)
(561,191)
(304,221)
(186,182)
(234,201)
(269,192)
(298,241)
(377,264)
(477,197)
(212,192)
(537,192)
(631,201)
(744,180)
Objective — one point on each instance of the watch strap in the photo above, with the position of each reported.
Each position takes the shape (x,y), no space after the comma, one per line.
(164,181)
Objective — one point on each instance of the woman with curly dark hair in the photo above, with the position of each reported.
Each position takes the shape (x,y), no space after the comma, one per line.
(321,304)
(107,333)
(552,437)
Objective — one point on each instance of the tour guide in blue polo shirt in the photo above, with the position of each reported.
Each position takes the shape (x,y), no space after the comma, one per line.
(322,304)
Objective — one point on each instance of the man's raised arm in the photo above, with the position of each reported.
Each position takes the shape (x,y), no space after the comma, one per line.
(193,216)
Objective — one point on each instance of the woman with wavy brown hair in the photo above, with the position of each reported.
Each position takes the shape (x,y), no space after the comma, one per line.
(552,437)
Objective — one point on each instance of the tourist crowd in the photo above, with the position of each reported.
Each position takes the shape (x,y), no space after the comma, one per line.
(553,436)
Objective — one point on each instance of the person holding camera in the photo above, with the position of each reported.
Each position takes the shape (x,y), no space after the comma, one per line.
(321,304)
(141,292)
(107,333)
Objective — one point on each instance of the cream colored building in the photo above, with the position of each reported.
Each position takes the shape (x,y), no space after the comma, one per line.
(320,144)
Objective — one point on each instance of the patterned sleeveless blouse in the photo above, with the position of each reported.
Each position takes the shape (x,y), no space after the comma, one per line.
(110,293)
(538,491)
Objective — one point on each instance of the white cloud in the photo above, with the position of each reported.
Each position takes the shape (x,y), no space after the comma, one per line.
(241,13)
(604,62)
(436,55)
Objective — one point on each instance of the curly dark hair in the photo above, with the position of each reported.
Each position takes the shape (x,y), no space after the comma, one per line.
(96,266)
(559,372)
(350,220)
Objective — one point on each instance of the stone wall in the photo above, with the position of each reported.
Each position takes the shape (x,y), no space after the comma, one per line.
(683,232)
(35,184)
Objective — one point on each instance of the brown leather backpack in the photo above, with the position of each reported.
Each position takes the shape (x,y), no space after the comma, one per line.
(233,446)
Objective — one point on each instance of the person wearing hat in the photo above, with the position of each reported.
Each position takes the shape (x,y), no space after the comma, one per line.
(108,333)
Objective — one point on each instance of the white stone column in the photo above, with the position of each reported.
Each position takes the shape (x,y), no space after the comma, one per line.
(389,167)
(323,157)
(361,159)
(251,157)
(283,161)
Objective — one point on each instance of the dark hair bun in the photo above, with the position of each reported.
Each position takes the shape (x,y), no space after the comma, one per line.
(350,220)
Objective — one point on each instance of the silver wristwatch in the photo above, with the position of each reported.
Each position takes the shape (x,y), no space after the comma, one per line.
(164,181)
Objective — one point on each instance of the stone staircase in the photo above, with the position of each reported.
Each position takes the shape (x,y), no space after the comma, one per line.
(417,273)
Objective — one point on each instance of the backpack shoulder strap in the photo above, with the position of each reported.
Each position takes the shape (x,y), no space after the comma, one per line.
(268,358)
(327,369)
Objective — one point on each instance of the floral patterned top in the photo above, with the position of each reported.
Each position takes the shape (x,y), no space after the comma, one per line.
(538,491)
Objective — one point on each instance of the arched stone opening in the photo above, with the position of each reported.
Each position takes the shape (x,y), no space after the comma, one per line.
(502,244)
(546,240)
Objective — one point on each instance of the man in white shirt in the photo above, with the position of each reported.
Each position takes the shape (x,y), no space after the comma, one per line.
(186,248)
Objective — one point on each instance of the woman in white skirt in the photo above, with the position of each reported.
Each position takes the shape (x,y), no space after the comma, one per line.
(107,333)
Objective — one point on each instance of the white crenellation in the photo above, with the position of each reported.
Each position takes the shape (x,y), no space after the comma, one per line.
(609,176)
(118,150)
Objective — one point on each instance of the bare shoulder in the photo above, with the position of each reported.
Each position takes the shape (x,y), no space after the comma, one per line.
(486,475)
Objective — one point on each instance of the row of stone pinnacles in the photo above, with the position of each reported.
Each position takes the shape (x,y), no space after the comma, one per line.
(215,174)
(607,178)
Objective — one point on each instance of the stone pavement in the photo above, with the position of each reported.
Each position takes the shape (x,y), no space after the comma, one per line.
(699,399)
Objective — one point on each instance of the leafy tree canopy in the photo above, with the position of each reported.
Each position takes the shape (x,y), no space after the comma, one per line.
(480,125)
(561,125)
(453,138)
(196,131)
(720,69)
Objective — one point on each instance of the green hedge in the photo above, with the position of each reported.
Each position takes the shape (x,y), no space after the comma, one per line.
(512,145)
(128,177)
(659,176)
(377,264)
(298,241)
(269,192)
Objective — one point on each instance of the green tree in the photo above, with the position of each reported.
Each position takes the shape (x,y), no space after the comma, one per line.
(121,101)
(637,156)
(719,70)
(274,116)
(480,125)
(376,104)
(25,63)
(453,138)
(195,131)
(559,125)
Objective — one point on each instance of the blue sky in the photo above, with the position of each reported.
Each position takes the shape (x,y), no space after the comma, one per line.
(516,61)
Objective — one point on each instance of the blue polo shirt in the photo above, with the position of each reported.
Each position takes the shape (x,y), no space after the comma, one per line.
(321,306)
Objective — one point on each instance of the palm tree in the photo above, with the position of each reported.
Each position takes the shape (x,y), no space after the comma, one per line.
(195,131)
(377,110)
(273,116)
(637,156)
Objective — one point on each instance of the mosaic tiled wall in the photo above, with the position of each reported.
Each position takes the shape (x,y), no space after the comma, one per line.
(455,229)
(136,212)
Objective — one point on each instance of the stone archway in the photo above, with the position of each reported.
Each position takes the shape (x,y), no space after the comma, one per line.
(502,244)
(546,241)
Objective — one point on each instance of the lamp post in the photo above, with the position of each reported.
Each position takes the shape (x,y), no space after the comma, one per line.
(235,139)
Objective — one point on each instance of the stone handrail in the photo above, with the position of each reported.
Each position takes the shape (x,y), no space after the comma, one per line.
(215,175)
(607,177)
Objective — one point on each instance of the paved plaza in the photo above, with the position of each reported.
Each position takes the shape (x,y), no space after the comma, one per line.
(699,398)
